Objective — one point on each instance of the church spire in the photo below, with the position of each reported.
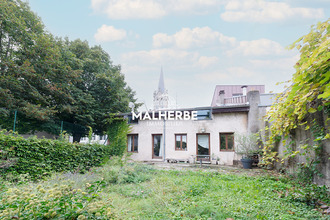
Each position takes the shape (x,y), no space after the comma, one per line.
(161,99)
(161,85)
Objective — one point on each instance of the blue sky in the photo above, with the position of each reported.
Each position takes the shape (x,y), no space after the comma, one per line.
(199,43)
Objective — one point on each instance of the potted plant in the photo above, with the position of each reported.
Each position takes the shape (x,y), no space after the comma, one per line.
(247,146)
(218,161)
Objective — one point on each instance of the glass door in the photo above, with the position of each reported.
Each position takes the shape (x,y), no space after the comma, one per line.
(157,146)
(203,147)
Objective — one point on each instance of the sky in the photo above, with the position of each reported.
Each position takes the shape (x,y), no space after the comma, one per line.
(198,43)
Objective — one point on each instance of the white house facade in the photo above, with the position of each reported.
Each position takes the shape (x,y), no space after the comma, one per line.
(209,136)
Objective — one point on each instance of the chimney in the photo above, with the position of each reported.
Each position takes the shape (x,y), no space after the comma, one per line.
(221,98)
(253,98)
(244,88)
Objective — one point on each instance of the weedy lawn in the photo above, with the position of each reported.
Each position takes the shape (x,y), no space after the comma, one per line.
(136,191)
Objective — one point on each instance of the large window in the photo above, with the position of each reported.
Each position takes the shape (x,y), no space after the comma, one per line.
(132,142)
(204,114)
(181,142)
(226,141)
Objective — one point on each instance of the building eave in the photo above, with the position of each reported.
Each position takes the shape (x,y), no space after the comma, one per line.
(215,110)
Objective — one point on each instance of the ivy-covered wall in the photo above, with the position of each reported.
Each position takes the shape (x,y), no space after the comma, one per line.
(306,152)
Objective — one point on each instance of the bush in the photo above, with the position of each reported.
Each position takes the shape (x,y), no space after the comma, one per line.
(55,201)
(115,172)
(39,157)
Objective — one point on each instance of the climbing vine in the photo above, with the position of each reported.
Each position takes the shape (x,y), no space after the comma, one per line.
(308,94)
(117,134)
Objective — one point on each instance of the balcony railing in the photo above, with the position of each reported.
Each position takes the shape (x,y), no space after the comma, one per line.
(236,100)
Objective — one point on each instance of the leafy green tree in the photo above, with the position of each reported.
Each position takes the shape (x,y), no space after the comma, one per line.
(102,89)
(34,79)
(48,79)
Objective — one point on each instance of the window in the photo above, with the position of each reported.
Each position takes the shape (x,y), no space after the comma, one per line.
(130,120)
(226,141)
(181,142)
(132,143)
(203,114)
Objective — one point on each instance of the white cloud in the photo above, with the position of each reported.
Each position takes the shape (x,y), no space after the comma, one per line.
(109,33)
(161,40)
(204,61)
(187,38)
(160,56)
(264,12)
(192,6)
(218,77)
(259,47)
(148,9)
(241,72)
(227,75)
(281,63)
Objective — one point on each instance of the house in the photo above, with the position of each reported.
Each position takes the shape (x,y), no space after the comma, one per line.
(203,133)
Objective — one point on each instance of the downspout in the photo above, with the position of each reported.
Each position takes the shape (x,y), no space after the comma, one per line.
(164,133)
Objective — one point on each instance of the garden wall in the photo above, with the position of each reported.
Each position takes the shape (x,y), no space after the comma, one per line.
(301,137)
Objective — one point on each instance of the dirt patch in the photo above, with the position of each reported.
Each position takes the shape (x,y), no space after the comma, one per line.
(213,168)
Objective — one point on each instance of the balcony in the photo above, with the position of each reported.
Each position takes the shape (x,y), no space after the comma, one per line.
(235,100)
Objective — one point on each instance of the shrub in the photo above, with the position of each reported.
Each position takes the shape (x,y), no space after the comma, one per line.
(57,201)
(39,157)
(114,172)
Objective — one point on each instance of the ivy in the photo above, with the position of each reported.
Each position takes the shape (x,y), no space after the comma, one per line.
(117,134)
(309,94)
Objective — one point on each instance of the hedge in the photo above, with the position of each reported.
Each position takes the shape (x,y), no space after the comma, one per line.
(39,157)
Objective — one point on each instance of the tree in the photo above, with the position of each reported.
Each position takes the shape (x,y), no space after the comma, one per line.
(101,91)
(34,79)
(48,79)
(310,89)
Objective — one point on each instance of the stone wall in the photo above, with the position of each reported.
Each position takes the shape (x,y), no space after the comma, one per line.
(300,137)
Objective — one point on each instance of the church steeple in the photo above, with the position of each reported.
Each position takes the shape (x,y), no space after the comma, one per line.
(161,85)
(161,99)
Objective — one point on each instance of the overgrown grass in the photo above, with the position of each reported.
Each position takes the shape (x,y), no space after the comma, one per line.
(136,191)
(208,195)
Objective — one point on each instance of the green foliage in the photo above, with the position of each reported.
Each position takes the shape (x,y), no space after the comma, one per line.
(117,135)
(311,83)
(114,173)
(164,194)
(90,134)
(33,77)
(212,195)
(54,201)
(310,194)
(48,79)
(40,157)
(246,144)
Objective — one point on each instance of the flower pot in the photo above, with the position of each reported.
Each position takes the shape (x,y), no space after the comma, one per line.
(247,163)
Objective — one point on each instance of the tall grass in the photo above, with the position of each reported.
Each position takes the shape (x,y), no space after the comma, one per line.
(124,190)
